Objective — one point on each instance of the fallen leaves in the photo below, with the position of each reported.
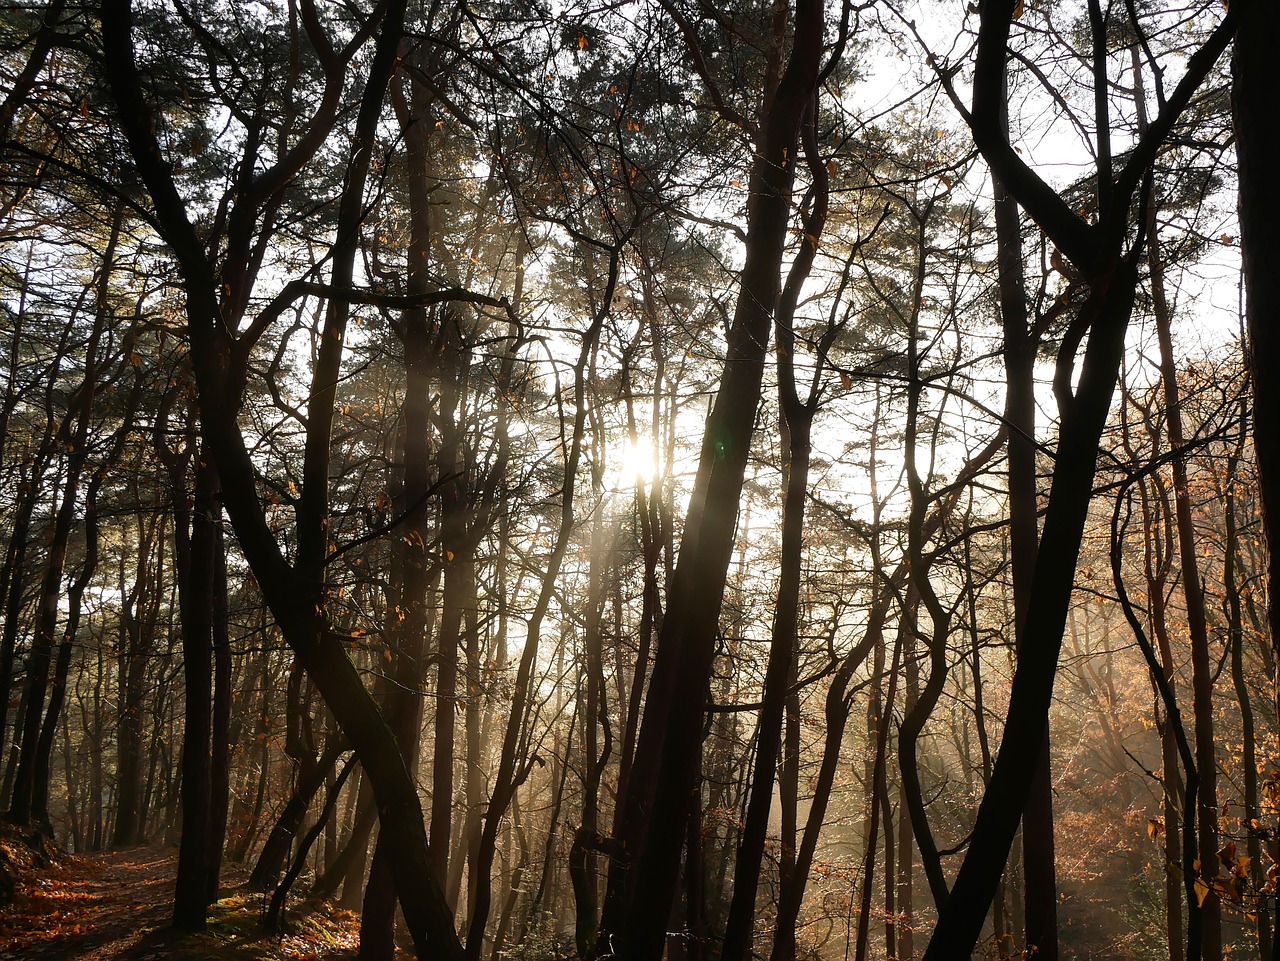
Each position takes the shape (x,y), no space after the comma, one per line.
(115,906)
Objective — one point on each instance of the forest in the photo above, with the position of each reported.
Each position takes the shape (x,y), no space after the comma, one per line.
(641,479)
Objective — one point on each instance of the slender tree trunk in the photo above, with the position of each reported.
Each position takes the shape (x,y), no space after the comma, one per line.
(351,855)
(422,372)
(1202,667)
(253,815)
(13,577)
(197,573)
(921,592)
(137,637)
(876,787)
(652,825)
(1020,346)
(593,715)
(275,912)
(22,803)
(275,854)
(220,732)
(94,830)
(696,925)
(1251,822)
(354,878)
(795,430)
(837,714)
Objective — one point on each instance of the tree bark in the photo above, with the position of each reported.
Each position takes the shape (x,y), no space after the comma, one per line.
(1103,317)
(296,595)
(1020,345)
(1257,154)
(652,825)
(196,574)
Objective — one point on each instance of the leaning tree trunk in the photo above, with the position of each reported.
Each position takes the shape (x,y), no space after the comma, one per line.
(1084,400)
(295,592)
(652,824)
(1020,344)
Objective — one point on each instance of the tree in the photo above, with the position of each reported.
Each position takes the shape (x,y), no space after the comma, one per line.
(1098,251)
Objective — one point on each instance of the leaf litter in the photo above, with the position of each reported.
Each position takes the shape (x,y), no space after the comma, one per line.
(116,906)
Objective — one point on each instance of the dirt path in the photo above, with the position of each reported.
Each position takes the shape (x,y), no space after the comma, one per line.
(89,908)
(116,907)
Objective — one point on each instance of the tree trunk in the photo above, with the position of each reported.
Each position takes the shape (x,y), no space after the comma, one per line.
(652,825)
(1104,318)
(877,787)
(1020,346)
(1258,153)
(138,636)
(23,800)
(1202,666)
(196,574)
(275,854)
(220,731)
(795,444)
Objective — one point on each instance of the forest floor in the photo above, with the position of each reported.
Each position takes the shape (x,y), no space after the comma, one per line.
(115,907)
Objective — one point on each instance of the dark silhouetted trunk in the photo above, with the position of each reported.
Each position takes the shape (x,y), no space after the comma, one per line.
(351,857)
(652,824)
(196,573)
(312,772)
(75,434)
(1202,667)
(220,732)
(791,894)
(1020,345)
(1253,72)
(1084,399)
(275,911)
(138,621)
(796,425)
(883,710)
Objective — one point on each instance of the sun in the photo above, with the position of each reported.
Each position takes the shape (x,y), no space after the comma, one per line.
(637,463)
